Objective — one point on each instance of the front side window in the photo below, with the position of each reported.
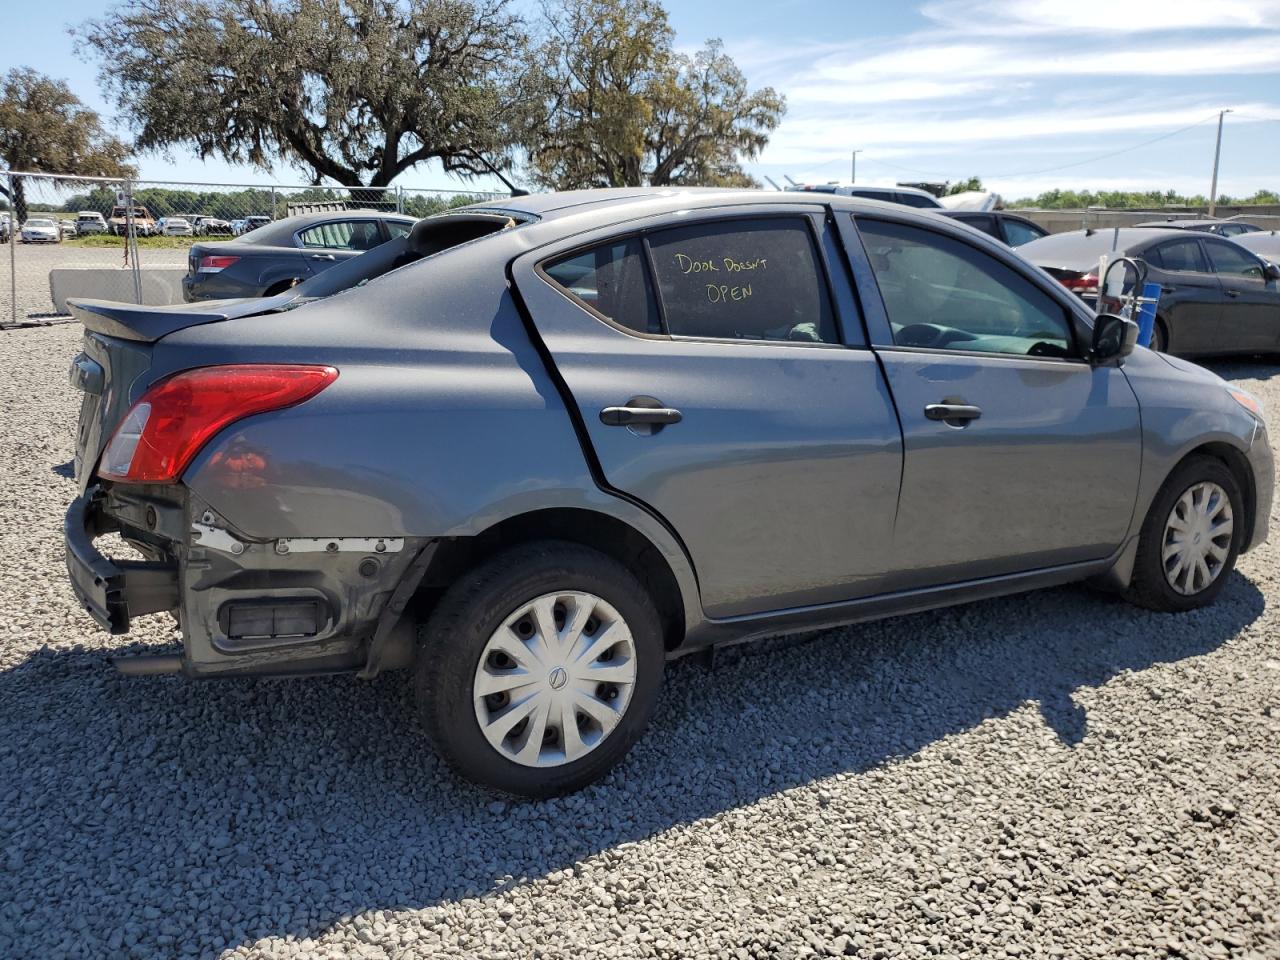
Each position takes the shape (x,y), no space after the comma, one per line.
(1180,256)
(611,280)
(743,280)
(342,235)
(941,293)
(1232,261)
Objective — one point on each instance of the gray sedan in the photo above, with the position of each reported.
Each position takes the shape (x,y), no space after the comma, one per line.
(280,254)
(574,435)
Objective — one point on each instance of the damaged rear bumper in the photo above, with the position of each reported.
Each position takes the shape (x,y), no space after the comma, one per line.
(113,591)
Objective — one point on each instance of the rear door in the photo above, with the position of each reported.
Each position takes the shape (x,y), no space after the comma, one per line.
(1190,295)
(773,449)
(325,244)
(1018,455)
(1251,309)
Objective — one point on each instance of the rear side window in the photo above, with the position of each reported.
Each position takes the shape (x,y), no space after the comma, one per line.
(743,280)
(1180,256)
(1016,233)
(984,222)
(398,228)
(1229,260)
(613,282)
(342,235)
(942,294)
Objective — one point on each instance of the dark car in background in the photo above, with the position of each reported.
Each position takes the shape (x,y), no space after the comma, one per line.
(1008,228)
(1216,296)
(275,257)
(1221,228)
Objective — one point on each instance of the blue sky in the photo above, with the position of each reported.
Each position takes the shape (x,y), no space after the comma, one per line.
(1027,94)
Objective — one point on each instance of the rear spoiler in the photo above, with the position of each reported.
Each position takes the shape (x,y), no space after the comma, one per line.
(147,324)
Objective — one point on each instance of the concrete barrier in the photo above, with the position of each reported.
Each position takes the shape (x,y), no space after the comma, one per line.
(160,285)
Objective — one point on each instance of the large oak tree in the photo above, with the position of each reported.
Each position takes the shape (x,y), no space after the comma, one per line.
(355,91)
(44,128)
(627,109)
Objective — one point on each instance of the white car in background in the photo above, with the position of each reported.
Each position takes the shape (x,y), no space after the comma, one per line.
(905,196)
(175,227)
(90,222)
(41,230)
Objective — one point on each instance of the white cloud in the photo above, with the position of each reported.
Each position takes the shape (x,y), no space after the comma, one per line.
(1100,18)
(969,63)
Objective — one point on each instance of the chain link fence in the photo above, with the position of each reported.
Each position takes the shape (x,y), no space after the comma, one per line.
(129,240)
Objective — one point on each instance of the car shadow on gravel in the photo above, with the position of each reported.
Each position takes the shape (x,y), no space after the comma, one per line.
(1243,368)
(157,814)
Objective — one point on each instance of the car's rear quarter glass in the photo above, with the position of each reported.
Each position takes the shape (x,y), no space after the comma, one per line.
(612,280)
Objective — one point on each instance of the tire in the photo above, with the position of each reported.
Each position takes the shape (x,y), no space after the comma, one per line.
(451,656)
(1150,586)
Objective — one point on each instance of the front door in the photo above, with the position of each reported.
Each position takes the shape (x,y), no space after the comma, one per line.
(708,368)
(1251,306)
(1018,454)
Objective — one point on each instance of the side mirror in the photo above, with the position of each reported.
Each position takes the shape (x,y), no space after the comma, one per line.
(1114,338)
(1271,272)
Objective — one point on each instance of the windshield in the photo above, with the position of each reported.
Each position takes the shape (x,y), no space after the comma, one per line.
(39,223)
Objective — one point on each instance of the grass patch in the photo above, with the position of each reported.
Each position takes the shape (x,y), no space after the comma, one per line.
(163,243)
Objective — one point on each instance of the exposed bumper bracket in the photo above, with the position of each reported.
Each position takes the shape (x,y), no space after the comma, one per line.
(112,591)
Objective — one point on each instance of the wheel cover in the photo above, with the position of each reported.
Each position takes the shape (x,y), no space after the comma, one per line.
(554,679)
(1197,538)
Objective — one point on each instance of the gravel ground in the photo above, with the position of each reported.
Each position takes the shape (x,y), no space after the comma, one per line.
(1054,775)
(31,263)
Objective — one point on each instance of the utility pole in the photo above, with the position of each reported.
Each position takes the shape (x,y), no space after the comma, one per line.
(1217,152)
(853,167)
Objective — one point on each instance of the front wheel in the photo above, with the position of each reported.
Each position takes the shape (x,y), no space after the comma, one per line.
(1190,539)
(537,671)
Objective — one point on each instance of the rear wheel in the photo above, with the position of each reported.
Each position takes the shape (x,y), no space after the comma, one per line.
(537,672)
(1190,538)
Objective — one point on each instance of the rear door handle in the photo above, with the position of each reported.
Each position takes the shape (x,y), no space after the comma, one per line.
(627,416)
(323,256)
(1232,293)
(954,414)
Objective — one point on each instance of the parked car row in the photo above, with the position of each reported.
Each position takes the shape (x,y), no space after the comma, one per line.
(533,449)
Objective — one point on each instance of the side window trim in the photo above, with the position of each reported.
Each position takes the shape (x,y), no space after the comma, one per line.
(887,343)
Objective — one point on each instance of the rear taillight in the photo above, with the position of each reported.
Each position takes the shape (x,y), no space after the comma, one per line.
(213,264)
(177,416)
(1085,283)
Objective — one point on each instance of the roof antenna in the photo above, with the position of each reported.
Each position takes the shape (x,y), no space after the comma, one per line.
(515,191)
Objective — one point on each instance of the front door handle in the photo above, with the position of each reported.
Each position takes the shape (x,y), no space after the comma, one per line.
(953,414)
(1233,293)
(631,416)
(323,256)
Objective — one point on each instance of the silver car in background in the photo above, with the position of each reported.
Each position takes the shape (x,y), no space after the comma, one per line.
(535,448)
